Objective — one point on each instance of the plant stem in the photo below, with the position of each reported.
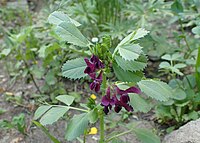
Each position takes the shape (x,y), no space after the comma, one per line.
(118,135)
(79,109)
(101,127)
(38,89)
(84,137)
(73,108)
(104,84)
(32,77)
(185,39)
(197,70)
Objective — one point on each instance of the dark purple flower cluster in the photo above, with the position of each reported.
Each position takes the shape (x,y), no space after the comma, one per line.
(93,65)
(119,99)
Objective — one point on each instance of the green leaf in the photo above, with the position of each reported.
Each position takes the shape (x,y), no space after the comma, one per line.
(140,33)
(134,36)
(2,111)
(166,57)
(76,126)
(68,32)
(46,132)
(193,115)
(179,66)
(182,104)
(130,52)
(74,69)
(138,65)
(175,70)
(196,30)
(156,89)
(23,34)
(40,111)
(58,17)
(168,103)
(139,103)
(93,116)
(177,6)
(164,65)
(163,112)
(5,52)
(68,100)
(146,136)
(38,72)
(127,76)
(179,94)
(53,115)
(50,78)
(131,37)
(176,56)
(41,51)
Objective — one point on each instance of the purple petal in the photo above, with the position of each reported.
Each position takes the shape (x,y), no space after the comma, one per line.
(97,88)
(92,85)
(119,91)
(128,107)
(124,98)
(100,76)
(92,75)
(94,58)
(105,101)
(90,65)
(117,108)
(99,65)
(106,110)
(133,89)
(87,70)
(108,92)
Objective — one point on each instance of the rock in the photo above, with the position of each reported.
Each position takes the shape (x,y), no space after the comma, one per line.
(189,133)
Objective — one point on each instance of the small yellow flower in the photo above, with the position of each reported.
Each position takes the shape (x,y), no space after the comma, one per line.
(93,131)
(36,62)
(9,93)
(93,96)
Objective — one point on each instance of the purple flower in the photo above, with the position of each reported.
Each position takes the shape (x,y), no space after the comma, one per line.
(123,100)
(107,101)
(92,65)
(96,84)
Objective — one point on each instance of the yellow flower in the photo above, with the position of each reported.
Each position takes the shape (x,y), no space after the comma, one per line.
(93,96)
(9,93)
(93,131)
(36,62)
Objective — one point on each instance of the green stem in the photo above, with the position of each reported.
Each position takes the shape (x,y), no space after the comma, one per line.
(185,39)
(104,84)
(118,135)
(197,70)
(73,108)
(32,77)
(101,127)
(84,137)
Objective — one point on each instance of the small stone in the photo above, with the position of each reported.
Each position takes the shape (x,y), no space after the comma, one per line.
(189,133)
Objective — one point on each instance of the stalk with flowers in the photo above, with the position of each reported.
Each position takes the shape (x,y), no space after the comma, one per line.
(115,75)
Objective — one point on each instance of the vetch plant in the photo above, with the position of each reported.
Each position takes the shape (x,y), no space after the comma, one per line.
(116,77)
